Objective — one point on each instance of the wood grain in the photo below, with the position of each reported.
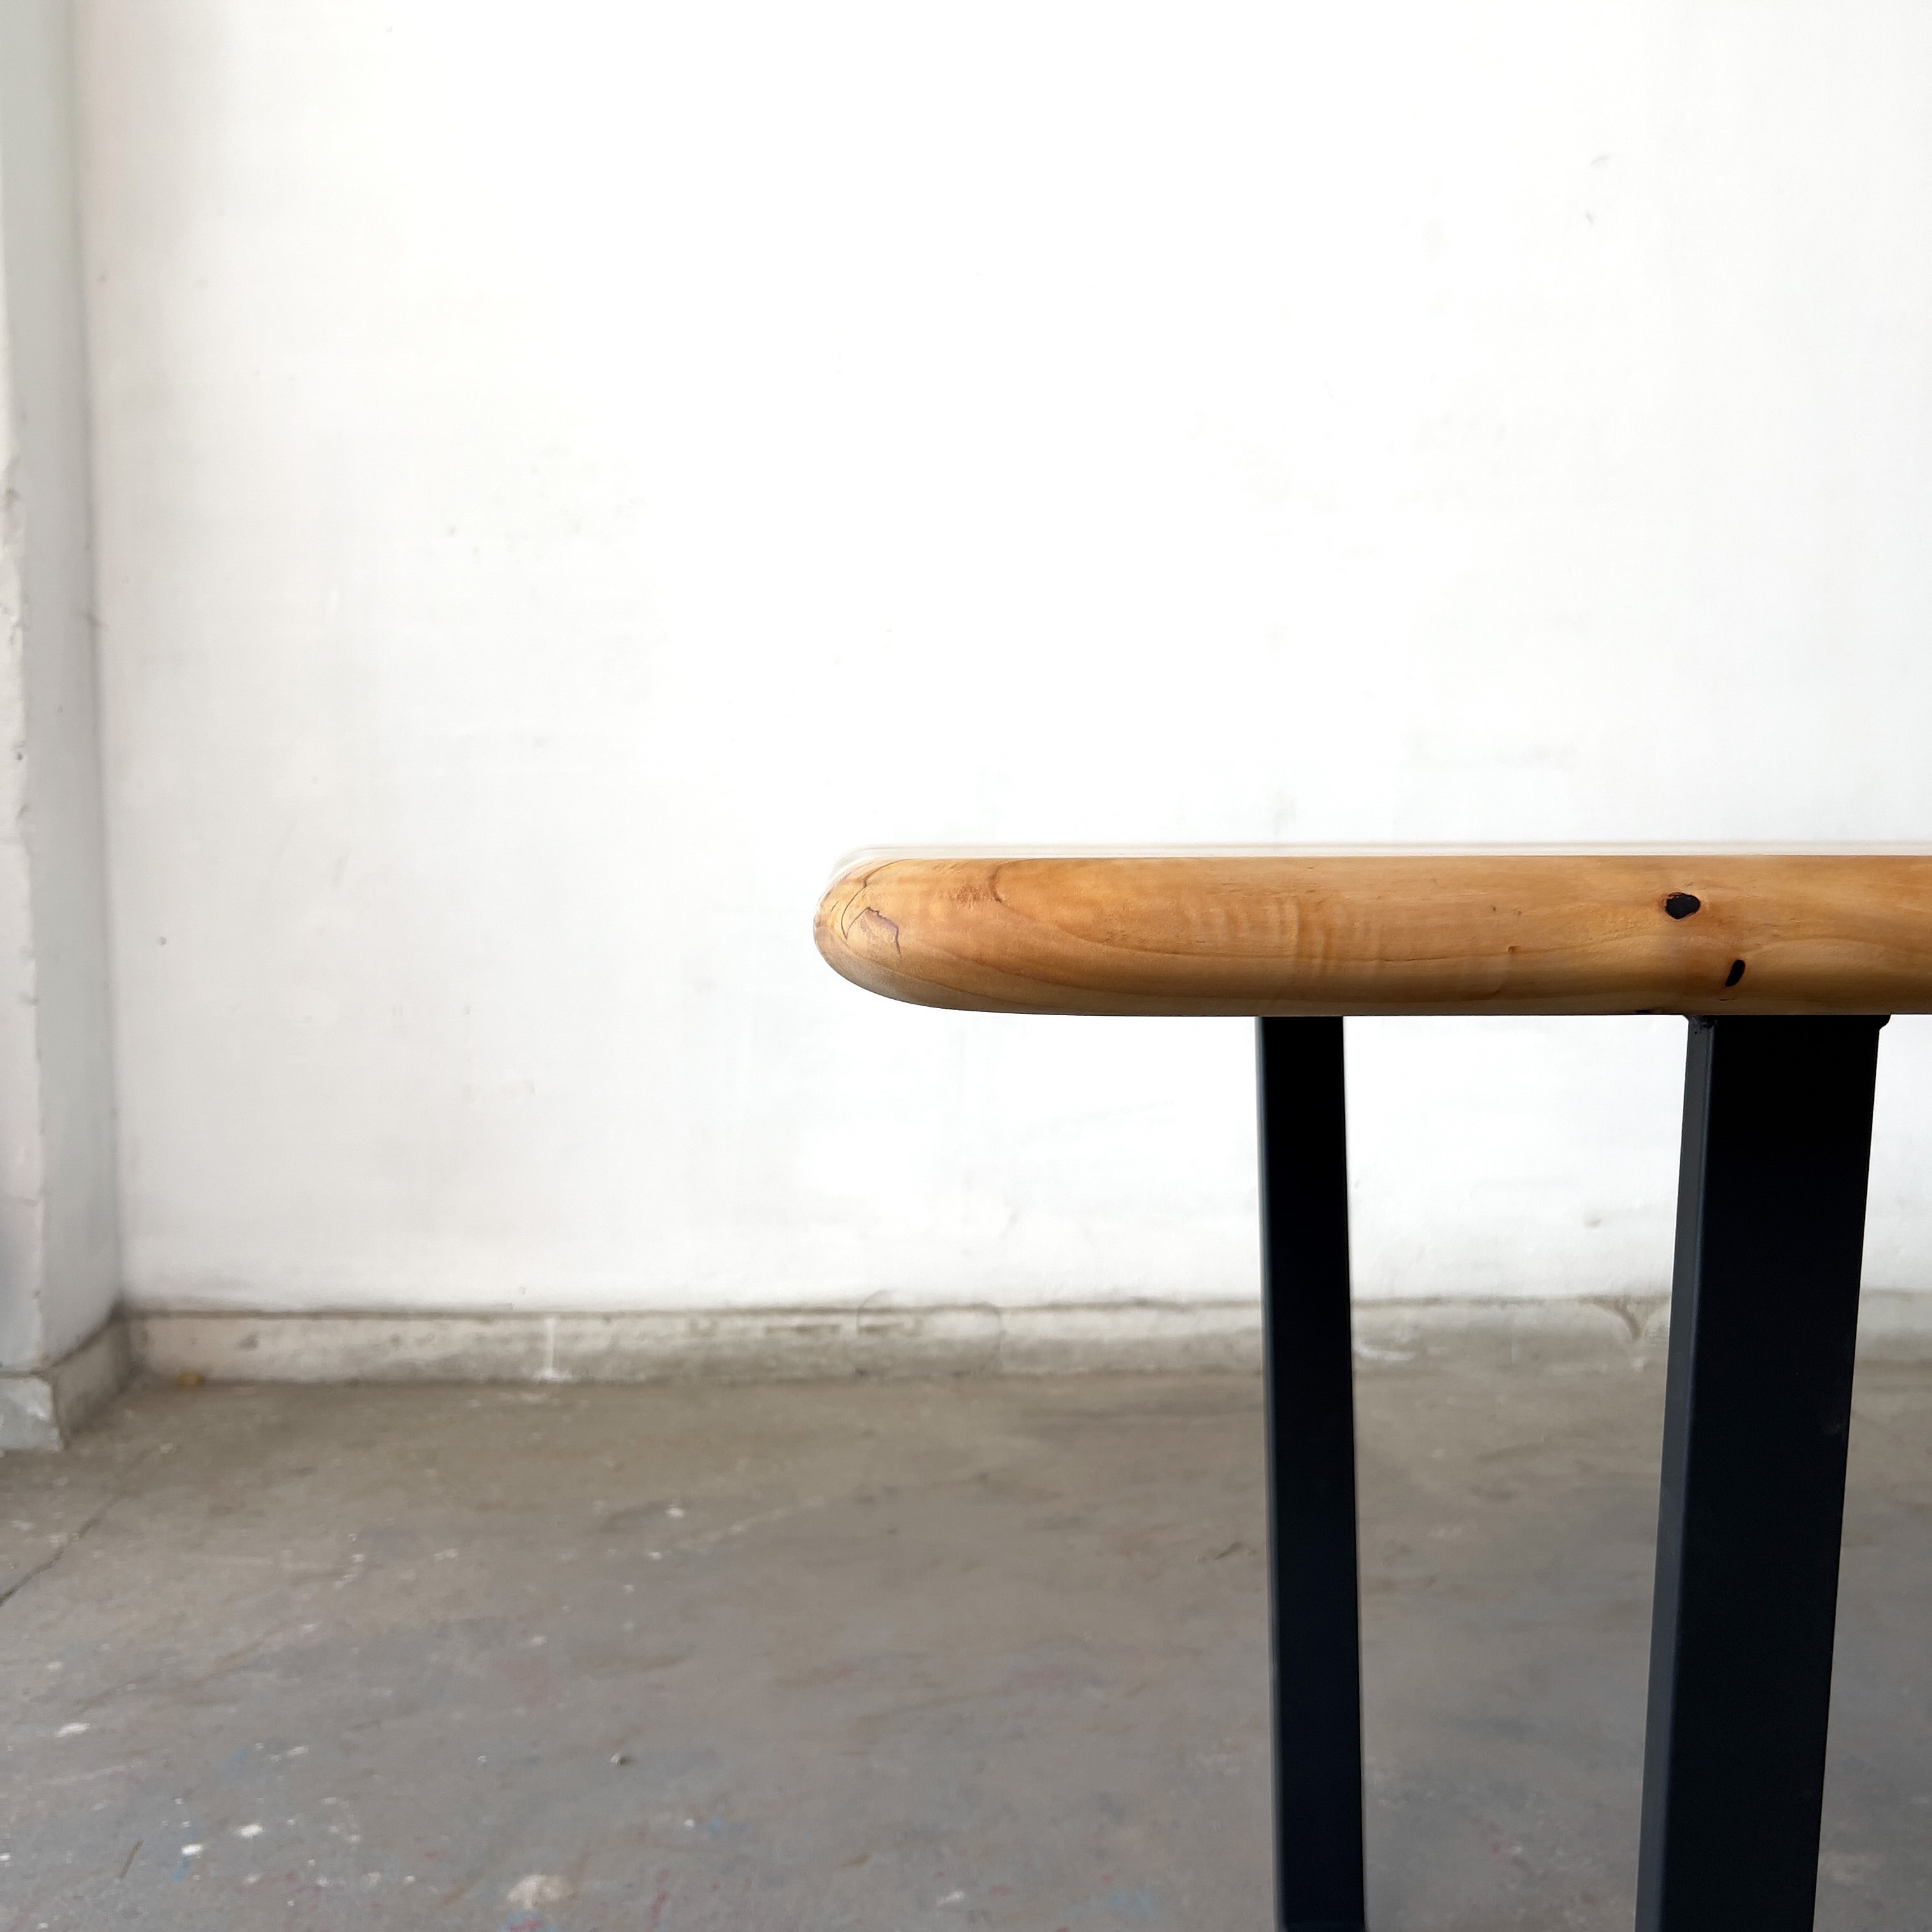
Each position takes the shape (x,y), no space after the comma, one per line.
(1419,932)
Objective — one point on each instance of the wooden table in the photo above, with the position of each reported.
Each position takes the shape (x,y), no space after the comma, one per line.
(1786,964)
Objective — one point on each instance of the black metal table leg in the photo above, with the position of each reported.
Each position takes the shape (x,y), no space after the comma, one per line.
(1764,1310)
(1311,1456)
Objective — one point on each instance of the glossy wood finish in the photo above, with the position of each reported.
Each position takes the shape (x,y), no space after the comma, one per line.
(1281,933)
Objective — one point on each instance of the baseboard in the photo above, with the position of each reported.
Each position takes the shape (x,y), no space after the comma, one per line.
(41,1408)
(813,1344)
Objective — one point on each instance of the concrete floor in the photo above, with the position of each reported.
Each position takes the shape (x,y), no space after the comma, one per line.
(882,1656)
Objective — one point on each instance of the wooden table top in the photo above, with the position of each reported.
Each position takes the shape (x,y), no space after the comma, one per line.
(1416,930)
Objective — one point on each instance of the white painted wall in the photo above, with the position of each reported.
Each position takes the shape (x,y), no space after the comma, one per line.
(566,477)
(59,1251)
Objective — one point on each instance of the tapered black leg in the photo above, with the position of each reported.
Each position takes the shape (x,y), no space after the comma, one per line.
(1311,1454)
(1764,1311)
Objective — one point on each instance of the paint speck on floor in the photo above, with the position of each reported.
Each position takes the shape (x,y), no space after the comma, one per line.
(540,1888)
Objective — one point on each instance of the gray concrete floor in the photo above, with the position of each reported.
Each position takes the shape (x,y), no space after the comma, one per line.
(885,1656)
